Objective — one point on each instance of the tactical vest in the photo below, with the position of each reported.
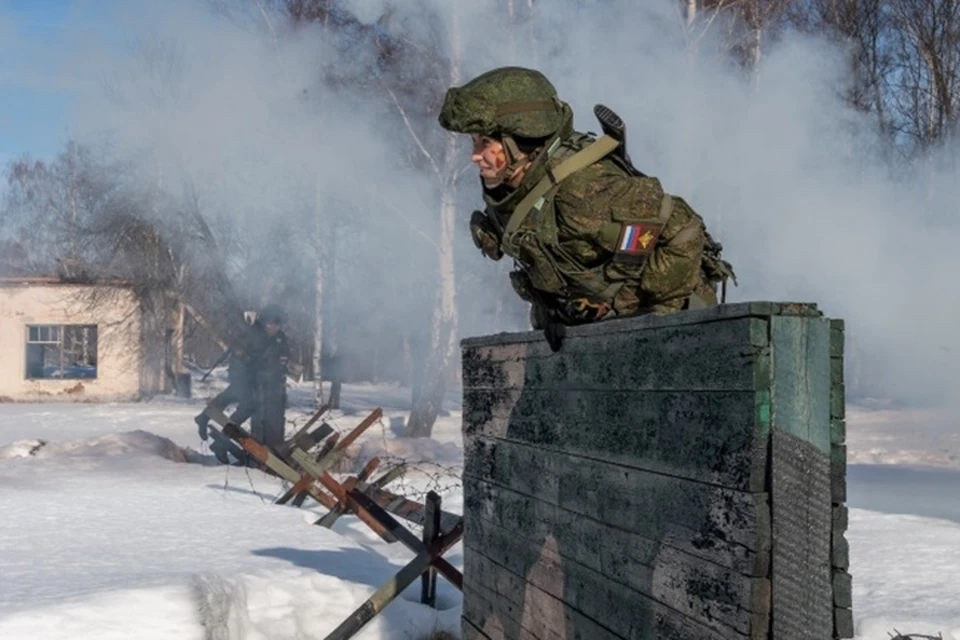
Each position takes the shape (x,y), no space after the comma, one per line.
(531,233)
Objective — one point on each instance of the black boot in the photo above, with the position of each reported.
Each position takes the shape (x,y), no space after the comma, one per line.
(219,449)
(203,421)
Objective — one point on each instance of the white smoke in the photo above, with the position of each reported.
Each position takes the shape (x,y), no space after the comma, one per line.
(787,176)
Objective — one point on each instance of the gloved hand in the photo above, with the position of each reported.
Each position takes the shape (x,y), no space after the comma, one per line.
(485,236)
(583,310)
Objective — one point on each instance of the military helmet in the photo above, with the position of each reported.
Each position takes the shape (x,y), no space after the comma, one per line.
(511,101)
(272,313)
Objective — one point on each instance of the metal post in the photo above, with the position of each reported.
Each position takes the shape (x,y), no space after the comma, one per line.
(381,598)
(431,529)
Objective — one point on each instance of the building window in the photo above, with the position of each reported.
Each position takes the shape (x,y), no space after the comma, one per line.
(61,351)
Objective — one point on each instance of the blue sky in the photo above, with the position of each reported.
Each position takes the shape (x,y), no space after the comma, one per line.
(35,41)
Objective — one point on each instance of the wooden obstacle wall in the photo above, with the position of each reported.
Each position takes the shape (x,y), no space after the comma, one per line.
(677,476)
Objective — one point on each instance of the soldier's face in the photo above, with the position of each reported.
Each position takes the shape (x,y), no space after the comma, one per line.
(271,328)
(489,156)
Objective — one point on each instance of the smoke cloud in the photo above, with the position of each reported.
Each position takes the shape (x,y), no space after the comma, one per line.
(788,178)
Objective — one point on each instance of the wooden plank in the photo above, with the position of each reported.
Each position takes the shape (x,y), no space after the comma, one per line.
(842,590)
(836,371)
(721,357)
(842,623)
(841,518)
(273,462)
(713,437)
(838,473)
(836,338)
(801,378)
(305,441)
(761,596)
(499,618)
(364,507)
(721,313)
(838,409)
(647,504)
(521,395)
(298,494)
(838,431)
(316,468)
(608,548)
(840,552)
(800,473)
(559,590)
(470,632)
(380,599)
(409,510)
(281,468)
(361,483)
(396,472)
(704,592)
(427,555)
(801,511)
(301,433)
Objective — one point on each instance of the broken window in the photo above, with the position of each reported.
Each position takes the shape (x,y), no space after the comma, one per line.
(61,351)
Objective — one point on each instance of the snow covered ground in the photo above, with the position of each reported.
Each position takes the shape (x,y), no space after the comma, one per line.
(106,533)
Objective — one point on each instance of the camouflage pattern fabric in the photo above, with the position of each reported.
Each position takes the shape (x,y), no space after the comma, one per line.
(511,100)
(608,237)
(604,241)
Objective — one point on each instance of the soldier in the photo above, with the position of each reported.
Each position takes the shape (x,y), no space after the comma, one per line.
(241,390)
(591,237)
(273,354)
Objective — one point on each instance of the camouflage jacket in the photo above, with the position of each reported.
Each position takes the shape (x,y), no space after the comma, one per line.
(602,234)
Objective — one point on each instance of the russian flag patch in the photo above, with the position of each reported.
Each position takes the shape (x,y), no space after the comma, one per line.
(636,241)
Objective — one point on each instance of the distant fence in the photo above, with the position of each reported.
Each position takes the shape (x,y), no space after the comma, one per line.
(677,476)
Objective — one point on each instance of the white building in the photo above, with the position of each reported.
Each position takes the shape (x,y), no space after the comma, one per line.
(72,342)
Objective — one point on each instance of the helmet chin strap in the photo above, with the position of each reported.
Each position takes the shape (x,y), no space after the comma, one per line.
(515,159)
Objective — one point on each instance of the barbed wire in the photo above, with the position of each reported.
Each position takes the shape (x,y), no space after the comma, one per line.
(422,475)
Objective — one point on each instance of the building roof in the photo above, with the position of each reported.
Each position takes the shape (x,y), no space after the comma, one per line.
(27,281)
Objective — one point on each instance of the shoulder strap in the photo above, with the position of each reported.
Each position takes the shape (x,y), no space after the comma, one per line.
(580,160)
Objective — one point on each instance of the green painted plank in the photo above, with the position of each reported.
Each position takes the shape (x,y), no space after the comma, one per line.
(802,525)
(842,623)
(705,520)
(838,473)
(568,600)
(842,590)
(836,338)
(723,356)
(721,313)
(707,436)
(801,378)
(818,381)
(701,590)
(838,432)
(838,408)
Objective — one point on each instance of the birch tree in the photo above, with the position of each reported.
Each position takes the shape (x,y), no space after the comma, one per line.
(427,48)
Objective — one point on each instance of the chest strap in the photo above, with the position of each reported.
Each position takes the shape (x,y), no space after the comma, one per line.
(534,200)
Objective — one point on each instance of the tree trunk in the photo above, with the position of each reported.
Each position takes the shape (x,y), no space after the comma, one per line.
(178,325)
(318,301)
(533,44)
(333,350)
(755,48)
(428,396)
(690,18)
(428,399)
